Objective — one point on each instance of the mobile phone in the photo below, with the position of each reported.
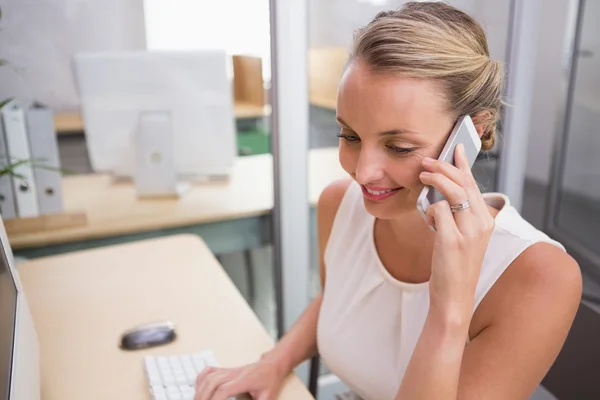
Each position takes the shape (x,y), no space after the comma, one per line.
(463,132)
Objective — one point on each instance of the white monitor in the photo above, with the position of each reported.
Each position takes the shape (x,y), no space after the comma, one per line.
(193,86)
(19,348)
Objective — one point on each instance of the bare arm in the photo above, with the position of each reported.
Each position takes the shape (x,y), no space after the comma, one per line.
(263,379)
(300,343)
(530,311)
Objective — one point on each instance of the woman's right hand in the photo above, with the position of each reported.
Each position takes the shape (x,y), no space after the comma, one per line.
(261,380)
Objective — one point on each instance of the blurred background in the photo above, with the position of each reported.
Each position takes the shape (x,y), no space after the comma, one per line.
(80,60)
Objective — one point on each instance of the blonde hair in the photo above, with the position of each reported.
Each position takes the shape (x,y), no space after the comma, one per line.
(433,40)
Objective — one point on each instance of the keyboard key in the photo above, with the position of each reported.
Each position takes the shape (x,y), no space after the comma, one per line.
(158,392)
(187,391)
(174,377)
(173,390)
(200,365)
(157,388)
(209,358)
(162,361)
(186,388)
(174,362)
(191,376)
(186,361)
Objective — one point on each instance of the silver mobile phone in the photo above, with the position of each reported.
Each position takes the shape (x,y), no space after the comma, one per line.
(464,132)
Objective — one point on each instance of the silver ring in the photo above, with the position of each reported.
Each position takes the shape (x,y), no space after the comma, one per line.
(460,207)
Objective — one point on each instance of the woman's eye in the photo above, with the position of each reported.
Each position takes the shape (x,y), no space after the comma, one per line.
(348,138)
(400,150)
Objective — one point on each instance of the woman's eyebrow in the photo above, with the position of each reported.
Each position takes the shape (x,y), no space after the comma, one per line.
(392,132)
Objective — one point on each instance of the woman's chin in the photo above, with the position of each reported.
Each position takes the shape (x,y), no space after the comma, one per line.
(388,211)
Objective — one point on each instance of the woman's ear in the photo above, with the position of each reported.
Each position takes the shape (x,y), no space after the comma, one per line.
(481,121)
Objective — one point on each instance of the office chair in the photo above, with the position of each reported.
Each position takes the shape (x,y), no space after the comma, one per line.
(313,381)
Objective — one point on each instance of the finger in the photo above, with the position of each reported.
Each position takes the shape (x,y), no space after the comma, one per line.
(264,396)
(203,376)
(453,192)
(230,389)
(445,225)
(469,182)
(461,175)
(430,222)
(207,388)
(443,167)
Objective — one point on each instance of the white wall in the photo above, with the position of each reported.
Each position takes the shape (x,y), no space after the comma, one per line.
(39,37)
(238,26)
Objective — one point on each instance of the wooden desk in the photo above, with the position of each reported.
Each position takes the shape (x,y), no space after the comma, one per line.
(82,302)
(231,216)
(68,122)
(71,122)
(249,110)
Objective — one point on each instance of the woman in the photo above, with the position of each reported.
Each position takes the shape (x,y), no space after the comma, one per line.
(478,308)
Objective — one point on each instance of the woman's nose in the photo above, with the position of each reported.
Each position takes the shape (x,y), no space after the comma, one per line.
(370,167)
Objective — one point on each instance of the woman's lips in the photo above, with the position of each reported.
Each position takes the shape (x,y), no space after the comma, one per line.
(378,193)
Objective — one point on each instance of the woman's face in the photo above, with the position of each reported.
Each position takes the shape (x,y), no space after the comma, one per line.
(388,124)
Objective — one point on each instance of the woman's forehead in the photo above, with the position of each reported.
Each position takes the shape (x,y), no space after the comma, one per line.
(386,99)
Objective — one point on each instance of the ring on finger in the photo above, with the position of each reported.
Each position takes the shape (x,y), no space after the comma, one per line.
(460,207)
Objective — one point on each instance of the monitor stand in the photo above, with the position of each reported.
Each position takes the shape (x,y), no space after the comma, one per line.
(155,173)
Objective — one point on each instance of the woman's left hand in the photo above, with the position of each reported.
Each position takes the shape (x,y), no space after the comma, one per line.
(461,237)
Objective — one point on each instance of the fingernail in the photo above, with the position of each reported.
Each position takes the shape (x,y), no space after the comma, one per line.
(427,160)
(425,173)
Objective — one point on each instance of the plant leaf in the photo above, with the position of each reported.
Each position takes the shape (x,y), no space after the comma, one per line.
(4,102)
(10,168)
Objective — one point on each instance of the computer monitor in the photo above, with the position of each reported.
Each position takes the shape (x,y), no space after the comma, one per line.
(192,86)
(19,348)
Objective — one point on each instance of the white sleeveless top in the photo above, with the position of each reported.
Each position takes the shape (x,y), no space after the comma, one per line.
(370,322)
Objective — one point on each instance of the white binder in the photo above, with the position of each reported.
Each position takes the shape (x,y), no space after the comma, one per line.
(18,148)
(44,150)
(8,208)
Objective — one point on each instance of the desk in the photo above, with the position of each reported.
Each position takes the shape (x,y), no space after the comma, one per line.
(82,302)
(231,216)
(69,122)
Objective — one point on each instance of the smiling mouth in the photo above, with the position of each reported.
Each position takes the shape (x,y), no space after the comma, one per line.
(379,194)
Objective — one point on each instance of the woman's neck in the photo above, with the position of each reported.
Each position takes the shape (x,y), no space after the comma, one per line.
(412,244)
(405,246)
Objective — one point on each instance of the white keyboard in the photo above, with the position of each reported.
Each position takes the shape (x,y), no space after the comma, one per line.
(174,377)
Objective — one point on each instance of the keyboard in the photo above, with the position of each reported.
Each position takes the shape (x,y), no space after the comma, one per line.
(174,377)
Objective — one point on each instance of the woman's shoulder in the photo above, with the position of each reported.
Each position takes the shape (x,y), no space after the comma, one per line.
(527,272)
(332,195)
(327,208)
(511,226)
(542,280)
